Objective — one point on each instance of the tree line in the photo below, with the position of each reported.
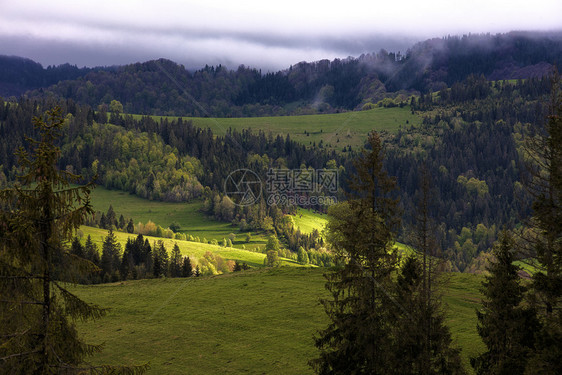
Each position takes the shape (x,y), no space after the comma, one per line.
(471,140)
(308,87)
(386,317)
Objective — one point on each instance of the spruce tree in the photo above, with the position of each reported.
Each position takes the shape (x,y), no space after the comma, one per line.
(157,267)
(147,256)
(362,231)
(186,268)
(38,216)
(505,325)
(121,222)
(423,343)
(162,254)
(91,251)
(110,218)
(130,226)
(543,148)
(419,347)
(76,248)
(175,261)
(110,257)
(127,262)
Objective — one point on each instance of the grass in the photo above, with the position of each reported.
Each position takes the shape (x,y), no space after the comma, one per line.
(307,220)
(195,250)
(257,322)
(334,130)
(187,215)
(462,297)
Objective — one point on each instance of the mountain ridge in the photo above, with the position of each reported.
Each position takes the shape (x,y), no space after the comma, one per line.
(163,87)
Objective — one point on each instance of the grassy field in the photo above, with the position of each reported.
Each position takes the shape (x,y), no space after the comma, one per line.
(187,215)
(255,322)
(195,250)
(334,130)
(462,296)
(307,220)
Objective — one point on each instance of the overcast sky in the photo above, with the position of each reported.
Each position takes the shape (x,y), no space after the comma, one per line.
(265,34)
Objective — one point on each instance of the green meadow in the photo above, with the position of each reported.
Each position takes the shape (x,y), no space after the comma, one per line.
(255,322)
(334,130)
(187,215)
(307,220)
(195,250)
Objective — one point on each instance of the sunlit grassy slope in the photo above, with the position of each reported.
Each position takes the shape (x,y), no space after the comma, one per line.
(187,248)
(334,130)
(187,215)
(308,220)
(255,322)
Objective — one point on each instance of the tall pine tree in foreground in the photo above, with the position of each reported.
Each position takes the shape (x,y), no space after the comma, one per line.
(422,341)
(37,220)
(361,231)
(506,326)
(543,148)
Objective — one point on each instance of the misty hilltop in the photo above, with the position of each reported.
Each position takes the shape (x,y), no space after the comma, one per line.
(166,88)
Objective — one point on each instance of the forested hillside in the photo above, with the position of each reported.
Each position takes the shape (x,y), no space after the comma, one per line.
(162,87)
(470,137)
(470,140)
(18,75)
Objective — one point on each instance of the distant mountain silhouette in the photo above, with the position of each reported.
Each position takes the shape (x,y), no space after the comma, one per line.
(164,87)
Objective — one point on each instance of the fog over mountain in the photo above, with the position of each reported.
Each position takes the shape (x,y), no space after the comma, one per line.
(266,35)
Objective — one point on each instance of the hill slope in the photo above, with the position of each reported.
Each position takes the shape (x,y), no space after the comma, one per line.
(251,322)
(166,88)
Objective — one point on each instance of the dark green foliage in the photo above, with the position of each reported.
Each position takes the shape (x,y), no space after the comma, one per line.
(157,267)
(163,257)
(130,226)
(459,123)
(240,266)
(420,348)
(175,227)
(110,257)
(358,338)
(186,268)
(544,148)
(127,269)
(110,218)
(320,86)
(77,249)
(423,343)
(38,216)
(121,223)
(160,255)
(506,326)
(175,262)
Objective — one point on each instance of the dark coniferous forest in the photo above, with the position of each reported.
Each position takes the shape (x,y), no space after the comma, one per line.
(482,166)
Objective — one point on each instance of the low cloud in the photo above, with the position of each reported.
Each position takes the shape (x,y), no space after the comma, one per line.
(265,35)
